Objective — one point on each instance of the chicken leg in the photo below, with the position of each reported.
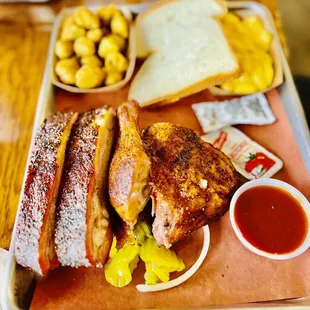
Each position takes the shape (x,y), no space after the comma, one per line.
(129,186)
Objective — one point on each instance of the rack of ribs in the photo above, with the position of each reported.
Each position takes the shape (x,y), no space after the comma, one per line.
(83,230)
(34,244)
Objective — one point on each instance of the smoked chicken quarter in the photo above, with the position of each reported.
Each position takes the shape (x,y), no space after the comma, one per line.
(191,181)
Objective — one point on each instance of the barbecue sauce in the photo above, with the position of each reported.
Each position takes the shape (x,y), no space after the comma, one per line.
(271,219)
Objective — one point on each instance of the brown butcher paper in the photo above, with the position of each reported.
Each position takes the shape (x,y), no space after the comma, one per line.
(230,273)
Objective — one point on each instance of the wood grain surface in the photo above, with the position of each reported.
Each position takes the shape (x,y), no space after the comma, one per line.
(24,33)
(23,51)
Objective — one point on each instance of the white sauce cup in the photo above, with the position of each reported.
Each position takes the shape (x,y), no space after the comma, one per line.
(304,203)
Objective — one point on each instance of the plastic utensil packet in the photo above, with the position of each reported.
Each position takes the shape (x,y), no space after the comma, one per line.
(249,158)
(253,109)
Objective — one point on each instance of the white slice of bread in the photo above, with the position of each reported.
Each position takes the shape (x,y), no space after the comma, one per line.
(186,48)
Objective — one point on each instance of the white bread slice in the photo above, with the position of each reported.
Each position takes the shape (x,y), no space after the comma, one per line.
(187,50)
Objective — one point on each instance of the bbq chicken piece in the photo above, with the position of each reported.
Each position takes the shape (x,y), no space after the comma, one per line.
(83,230)
(129,186)
(192,181)
(34,244)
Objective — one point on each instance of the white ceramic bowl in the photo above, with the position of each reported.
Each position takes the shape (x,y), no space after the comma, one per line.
(286,187)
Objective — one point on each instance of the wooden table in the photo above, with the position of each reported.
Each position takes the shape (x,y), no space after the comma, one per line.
(25,31)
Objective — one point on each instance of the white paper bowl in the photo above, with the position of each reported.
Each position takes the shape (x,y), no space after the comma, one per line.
(131,52)
(286,187)
(274,52)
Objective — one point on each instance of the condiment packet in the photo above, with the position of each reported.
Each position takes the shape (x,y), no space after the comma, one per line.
(253,109)
(249,158)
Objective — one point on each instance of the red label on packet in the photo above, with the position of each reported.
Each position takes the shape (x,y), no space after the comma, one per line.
(249,158)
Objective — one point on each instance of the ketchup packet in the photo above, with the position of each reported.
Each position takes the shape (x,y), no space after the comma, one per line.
(253,109)
(249,158)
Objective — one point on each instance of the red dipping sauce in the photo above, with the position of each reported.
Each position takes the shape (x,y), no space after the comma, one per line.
(271,219)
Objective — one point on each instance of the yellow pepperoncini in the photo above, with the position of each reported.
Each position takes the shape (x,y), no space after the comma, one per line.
(118,270)
(159,261)
(142,231)
(251,43)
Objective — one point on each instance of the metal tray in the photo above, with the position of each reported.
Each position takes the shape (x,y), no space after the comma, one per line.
(19,283)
